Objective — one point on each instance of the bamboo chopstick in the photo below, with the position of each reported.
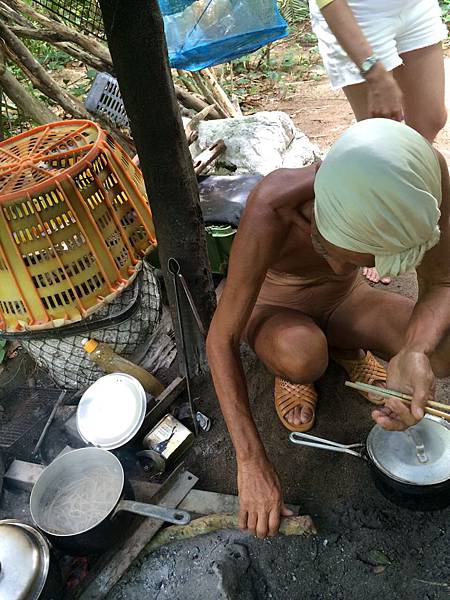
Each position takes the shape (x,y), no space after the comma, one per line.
(429,410)
(386,393)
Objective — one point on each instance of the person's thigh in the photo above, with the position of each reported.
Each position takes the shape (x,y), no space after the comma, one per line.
(370,319)
(289,343)
(422,81)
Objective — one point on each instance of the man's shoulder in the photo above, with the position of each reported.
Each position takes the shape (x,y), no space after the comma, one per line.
(285,187)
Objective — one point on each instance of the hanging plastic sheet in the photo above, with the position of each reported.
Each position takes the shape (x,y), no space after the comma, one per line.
(209,32)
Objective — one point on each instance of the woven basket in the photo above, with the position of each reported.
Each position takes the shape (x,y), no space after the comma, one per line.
(74,224)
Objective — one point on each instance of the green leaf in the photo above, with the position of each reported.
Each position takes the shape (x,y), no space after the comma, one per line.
(376,557)
(2,354)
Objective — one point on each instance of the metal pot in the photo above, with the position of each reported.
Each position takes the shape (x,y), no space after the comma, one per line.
(27,569)
(111,411)
(79,502)
(411,468)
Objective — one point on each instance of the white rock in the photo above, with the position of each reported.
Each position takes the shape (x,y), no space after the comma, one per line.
(258,143)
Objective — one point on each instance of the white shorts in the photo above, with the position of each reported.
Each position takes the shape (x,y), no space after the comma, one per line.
(391,27)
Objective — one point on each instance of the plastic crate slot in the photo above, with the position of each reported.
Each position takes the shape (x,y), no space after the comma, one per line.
(122,259)
(128,219)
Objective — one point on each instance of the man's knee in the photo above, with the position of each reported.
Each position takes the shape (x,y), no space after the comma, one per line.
(302,361)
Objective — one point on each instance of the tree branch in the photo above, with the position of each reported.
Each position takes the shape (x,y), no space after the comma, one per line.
(39,76)
(80,39)
(31,107)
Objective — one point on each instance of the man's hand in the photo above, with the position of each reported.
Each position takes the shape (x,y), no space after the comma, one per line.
(261,502)
(408,372)
(385,98)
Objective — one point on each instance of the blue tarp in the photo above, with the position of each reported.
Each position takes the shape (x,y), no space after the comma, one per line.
(204,33)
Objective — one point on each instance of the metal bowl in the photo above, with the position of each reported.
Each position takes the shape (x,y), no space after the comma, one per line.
(111,411)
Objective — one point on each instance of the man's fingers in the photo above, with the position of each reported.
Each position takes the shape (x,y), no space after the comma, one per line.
(262,526)
(420,398)
(386,422)
(401,411)
(252,520)
(242,520)
(274,522)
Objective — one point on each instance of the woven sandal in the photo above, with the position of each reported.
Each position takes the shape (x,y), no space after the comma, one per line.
(289,395)
(367,370)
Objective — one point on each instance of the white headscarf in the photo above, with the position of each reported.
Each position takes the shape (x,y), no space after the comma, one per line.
(378,191)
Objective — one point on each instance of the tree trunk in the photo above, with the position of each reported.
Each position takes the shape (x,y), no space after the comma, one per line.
(137,44)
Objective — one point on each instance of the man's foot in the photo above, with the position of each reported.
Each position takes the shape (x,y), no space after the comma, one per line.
(371,274)
(295,404)
(364,368)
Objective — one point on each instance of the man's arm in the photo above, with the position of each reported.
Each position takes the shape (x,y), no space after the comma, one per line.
(262,231)
(414,368)
(384,94)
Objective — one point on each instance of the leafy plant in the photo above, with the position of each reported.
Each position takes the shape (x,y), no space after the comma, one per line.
(294,11)
(445,7)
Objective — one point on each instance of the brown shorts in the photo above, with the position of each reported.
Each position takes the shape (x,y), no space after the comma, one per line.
(316,297)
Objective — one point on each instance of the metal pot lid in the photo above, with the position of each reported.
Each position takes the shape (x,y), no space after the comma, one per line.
(418,456)
(111,411)
(24,561)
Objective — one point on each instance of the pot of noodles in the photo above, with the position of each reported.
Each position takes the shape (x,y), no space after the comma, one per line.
(81,502)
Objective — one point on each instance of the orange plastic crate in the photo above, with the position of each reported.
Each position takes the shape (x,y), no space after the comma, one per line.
(74,224)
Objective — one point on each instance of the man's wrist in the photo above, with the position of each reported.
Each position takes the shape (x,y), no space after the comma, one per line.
(251,460)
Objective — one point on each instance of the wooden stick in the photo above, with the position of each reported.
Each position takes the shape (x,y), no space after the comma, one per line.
(386,393)
(205,158)
(208,94)
(219,93)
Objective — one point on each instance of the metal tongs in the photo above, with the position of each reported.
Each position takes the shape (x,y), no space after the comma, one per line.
(305,439)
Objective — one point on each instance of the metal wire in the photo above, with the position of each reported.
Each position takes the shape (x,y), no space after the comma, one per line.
(85,15)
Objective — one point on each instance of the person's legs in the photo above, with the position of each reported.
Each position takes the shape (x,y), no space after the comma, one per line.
(292,347)
(370,319)
(357,96)
(422,81)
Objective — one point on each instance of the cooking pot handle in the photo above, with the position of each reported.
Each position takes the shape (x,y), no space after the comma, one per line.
(305,439)
(417,440)
(171,515)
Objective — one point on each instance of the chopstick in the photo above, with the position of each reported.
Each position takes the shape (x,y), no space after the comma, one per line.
(434,408)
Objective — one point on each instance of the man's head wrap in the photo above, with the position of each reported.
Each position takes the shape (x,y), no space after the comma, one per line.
(378,191)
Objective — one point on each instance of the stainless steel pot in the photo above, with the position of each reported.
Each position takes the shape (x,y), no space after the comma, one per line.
(411,468)
(27,569)
(80,502)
